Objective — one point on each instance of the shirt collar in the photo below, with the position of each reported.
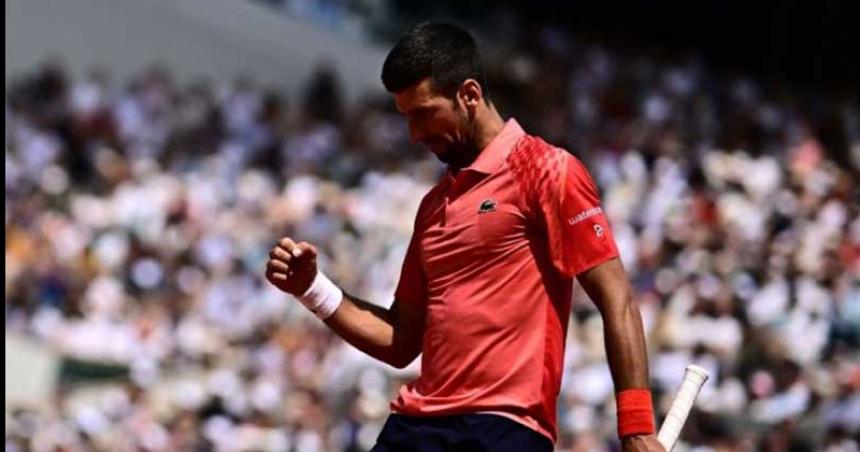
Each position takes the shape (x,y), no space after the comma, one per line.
(492,156)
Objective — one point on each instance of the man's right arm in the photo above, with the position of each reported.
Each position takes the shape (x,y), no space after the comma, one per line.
(392,335)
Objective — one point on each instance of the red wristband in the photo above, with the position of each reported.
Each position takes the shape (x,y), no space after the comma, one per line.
(635,412)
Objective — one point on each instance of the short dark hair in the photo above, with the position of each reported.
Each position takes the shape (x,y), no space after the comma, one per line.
(444,52)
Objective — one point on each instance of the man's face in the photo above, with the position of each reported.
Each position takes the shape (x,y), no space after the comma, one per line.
(437,121)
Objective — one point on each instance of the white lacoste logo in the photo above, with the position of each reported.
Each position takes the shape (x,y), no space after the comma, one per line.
(583,215)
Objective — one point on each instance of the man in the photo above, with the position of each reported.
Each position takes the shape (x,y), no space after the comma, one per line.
(485,288)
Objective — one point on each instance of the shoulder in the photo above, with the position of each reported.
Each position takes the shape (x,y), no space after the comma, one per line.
(536,163)
(534,153)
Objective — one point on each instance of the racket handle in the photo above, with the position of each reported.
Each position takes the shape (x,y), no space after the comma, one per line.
(694,379)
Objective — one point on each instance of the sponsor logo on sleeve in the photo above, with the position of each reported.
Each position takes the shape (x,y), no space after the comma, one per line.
(581,216)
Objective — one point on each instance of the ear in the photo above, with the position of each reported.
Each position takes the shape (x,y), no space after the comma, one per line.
(470,94)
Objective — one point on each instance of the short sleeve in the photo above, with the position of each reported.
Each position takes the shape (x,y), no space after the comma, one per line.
(412,286)
(563,199)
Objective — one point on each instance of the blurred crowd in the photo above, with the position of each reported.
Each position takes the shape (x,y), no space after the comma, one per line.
(139,218)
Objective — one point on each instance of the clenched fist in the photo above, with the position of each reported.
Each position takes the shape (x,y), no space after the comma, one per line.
(292,266)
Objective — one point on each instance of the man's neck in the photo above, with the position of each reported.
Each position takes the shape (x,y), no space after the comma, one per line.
(487,128)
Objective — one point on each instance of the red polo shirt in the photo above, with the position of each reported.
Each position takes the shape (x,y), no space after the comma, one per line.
(492,259)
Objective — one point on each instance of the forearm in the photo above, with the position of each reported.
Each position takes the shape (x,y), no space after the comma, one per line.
(609,288)
(628,362)
(625,345)
(367,327)
(391,335)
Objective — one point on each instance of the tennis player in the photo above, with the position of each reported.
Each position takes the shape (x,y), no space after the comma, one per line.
(485,289)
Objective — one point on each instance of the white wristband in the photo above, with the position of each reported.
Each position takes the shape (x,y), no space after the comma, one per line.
(323,297)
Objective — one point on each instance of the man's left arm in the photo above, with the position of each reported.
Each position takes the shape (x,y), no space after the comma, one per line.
(561,192)
(609,288)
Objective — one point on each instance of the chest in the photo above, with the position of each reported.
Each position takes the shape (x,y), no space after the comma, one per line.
(472,222)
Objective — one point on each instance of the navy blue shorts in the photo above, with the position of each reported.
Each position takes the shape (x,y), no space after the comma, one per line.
(458,433)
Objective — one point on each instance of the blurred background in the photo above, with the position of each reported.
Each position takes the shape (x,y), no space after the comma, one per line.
(155,150)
